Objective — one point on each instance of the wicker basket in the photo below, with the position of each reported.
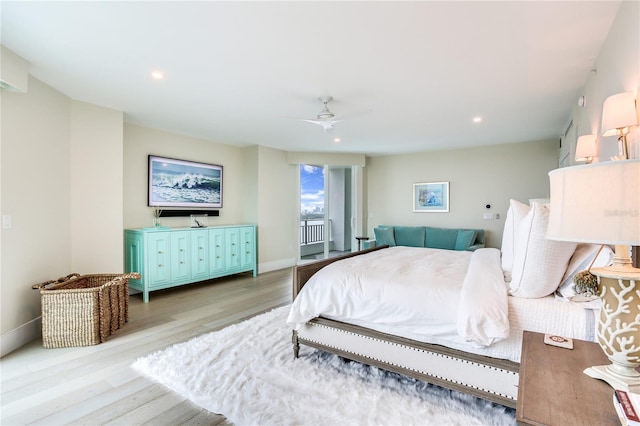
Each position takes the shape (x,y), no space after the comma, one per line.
(83,310)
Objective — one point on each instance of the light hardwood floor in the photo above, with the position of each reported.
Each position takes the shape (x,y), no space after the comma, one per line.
(95,385)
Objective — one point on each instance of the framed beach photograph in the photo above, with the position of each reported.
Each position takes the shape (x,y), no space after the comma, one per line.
(181,183)
(431,197)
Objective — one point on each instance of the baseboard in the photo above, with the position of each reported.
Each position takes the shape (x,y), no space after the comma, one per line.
(20,336)
(275,265)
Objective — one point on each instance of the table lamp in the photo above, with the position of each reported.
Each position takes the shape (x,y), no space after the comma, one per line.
(618,115)
(586,148)
(600,203)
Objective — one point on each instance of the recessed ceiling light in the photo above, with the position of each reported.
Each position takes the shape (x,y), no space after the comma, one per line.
(337,140)
(157,75)
(477,119)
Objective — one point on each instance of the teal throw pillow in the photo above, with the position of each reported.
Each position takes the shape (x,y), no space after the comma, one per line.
(465,239)
(410,236)
(441,238)
(384,236)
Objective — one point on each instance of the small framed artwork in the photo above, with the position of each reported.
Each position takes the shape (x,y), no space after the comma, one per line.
(431,197)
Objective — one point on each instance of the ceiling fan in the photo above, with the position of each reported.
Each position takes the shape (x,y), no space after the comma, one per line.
(325,118)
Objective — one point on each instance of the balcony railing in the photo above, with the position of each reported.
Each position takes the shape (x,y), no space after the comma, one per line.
(311,231)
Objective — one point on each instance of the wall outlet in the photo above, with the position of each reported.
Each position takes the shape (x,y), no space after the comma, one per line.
(488,216)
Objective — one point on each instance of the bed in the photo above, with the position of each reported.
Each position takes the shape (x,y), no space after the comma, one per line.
(478,353)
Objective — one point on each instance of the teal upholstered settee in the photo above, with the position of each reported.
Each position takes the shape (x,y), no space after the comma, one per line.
(427,236)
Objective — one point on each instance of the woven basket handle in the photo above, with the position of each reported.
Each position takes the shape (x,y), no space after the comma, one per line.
(58,281)
(131,275)
(122,277)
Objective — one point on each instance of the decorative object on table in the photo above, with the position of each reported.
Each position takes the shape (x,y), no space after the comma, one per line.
(600,203)
(618,114)
(253,358)
(157,212)
(83,310)
(431,197)
(180,183)
(559,341)
(585,284)
(586,149)
(199,220)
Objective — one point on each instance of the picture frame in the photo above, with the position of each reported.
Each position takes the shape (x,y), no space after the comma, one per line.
(431,197)
(183,183)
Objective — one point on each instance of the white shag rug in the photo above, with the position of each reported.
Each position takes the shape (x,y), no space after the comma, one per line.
(247,373)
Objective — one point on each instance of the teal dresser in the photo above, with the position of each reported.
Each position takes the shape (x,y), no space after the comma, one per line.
(169,257)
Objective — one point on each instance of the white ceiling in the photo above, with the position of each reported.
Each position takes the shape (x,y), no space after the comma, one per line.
(412,74)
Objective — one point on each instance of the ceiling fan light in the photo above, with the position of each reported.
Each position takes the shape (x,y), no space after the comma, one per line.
(325,114)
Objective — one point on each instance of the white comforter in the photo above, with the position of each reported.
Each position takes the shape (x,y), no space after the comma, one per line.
(419,293)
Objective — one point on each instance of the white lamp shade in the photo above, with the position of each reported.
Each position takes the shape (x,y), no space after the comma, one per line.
(586,147)
(596,203)
(618,112)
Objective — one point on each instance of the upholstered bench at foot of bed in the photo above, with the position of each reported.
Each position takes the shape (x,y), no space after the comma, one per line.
(488,378)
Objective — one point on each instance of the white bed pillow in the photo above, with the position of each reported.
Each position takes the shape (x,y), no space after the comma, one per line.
(580,261)
(538,263)
(516,213)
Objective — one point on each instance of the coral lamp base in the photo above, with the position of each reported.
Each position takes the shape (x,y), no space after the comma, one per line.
(616,381)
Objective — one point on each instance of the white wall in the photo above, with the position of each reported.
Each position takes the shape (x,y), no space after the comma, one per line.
(96,189)
(277,209)
(249,184)
(617,70)
(140,142)
(477,176)
(36,194)
(63,197)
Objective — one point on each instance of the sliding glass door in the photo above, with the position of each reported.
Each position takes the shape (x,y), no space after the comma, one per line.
(325,211)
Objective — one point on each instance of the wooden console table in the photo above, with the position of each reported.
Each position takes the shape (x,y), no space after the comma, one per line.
(553,390)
